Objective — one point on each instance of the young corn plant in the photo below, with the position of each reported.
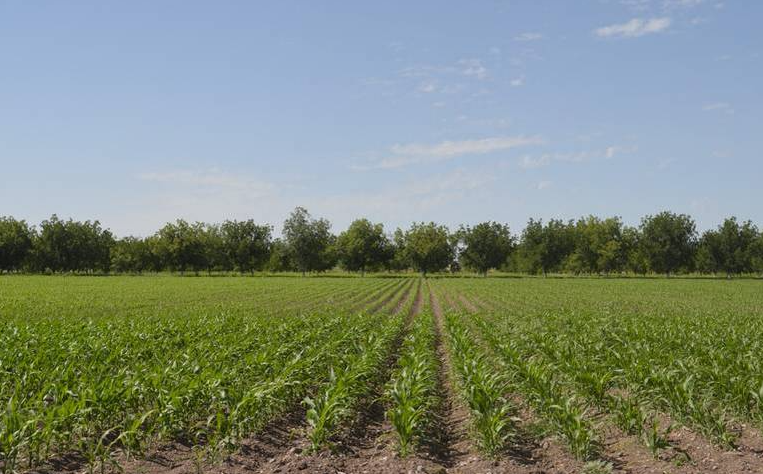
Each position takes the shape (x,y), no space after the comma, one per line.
(481,387)
(411,392)
(330,407)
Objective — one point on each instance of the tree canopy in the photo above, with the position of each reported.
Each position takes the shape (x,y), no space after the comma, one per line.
(308,241)
(428,248)
(664,243)
(363,246)
(668,241)
(485,246)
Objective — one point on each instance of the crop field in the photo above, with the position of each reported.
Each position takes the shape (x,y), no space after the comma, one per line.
(380,374)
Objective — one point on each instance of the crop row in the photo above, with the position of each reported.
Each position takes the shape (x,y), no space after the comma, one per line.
(93,383)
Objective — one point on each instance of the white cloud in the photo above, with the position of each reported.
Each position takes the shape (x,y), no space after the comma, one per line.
(517,82)
(465,147)
(637,5)
(528,162)
(665,164)
(427,87)
(544,185)
(415,153)
(473,67)
(634,28)
(667,4)
(718,107)
(529,36)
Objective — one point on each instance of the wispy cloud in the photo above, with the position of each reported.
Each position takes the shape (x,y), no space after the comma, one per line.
(415,153)
(634,28)
(427,87)
(544,185)
(517,82)
(718,107)
(473,67)
(529,36)
(637,5)
(645,5)
(668,4)
(530,162)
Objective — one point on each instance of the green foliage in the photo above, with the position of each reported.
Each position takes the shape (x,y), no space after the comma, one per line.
(427,247)
(485,246)
(131,255)
(15,244)
(412,390)
(668,241)
(246,244)
(309,241)
(599,246)
(543,249)
(665,243)
(363,246)
(69,246)
(481,387)
(181,246)
(358,365)
(120,363)
(730,249)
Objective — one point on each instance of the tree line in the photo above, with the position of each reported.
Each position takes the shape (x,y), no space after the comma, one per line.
(665,243)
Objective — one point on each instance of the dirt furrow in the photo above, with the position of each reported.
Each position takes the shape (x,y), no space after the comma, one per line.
(459,454)
(385,301)
(367,445)
(404,299)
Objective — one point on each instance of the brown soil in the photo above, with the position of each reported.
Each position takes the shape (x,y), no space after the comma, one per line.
(403,299)
(459,454)
(694,453)
(467,304)
(369,301)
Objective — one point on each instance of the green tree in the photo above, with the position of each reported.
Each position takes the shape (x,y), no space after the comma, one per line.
(180,246)
(729,249)
(363,246)
(428,248)
(668,241)
(247,244)
(543,249)
(756,252)
(599,246)
(636,260)
(72,246)
(15,243)
(279,259)
(398,259)
(213,247)
(308,241)
(131,254)
(485,246)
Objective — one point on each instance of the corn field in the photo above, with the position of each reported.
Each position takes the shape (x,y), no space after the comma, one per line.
(284,374)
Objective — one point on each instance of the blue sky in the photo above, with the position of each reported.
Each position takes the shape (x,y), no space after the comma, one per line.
(140,112)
